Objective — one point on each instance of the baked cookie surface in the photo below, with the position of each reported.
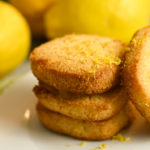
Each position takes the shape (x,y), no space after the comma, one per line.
(88,130)
(136,73)
(83,107)
(79,63)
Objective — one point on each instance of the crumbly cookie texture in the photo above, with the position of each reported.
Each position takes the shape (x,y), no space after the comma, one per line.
(87,130)
(136,71)
(79,63)
(83,107)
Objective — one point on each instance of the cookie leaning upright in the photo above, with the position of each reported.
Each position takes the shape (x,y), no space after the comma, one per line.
(136,72)
(78,63)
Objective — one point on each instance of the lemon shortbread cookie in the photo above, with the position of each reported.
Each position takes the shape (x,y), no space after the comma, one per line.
(83,107)
(89,130)
(136,72)
(79,63)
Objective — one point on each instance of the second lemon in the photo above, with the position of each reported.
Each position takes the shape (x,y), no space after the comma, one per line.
(113,18)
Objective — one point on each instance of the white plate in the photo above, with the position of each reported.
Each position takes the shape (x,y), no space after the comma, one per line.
(17,133)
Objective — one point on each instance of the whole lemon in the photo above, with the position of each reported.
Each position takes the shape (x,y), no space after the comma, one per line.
(113,18)
(14,38)
(34,10)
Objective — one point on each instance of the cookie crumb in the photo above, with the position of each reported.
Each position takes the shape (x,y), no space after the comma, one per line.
(67,145)
(83,143)
(102,147)
(119,137)
(27,114)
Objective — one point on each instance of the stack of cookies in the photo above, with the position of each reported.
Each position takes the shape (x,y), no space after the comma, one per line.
(78,91)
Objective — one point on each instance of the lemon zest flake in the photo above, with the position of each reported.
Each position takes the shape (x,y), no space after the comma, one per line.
(102,147)
(108,60)
(127,49)
(85,54)
(88,78)
(119,137)
(127,139)
(111,60)
(134,42)
(90,71)
(67,145)
(83,143)
(96,61)
(137,41)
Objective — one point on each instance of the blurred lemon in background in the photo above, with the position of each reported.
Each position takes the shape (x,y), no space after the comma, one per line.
(14,38)
(113,18)
(34,10)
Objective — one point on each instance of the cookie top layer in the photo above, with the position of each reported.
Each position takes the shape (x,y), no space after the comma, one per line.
(76,59)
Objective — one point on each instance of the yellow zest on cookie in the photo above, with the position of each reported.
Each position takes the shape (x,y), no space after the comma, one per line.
(133,42)
(137,41)
(90,71)
(96,61)
(111,60)
(140,41)
(88,78)
(86,54)
(107,60)
(77,56)
(127,49)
